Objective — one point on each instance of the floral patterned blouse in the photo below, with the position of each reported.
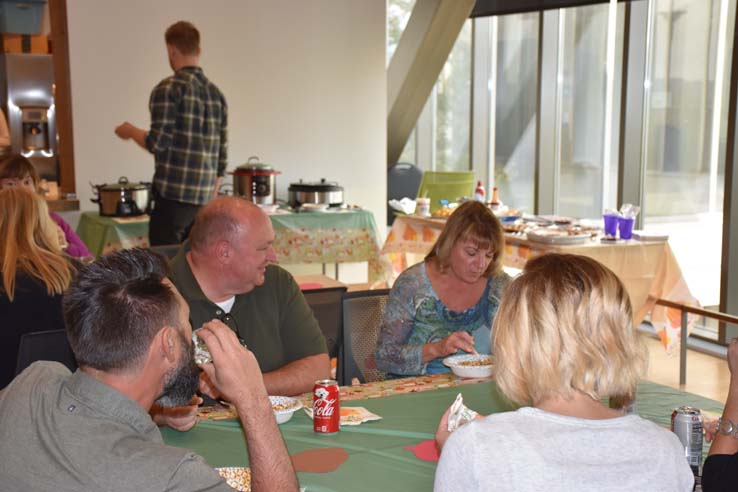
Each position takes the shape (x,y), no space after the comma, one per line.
(415,316)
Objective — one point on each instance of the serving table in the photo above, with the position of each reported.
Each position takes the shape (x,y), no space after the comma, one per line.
(648,270)
(410,409)
(104,235)
(339,236)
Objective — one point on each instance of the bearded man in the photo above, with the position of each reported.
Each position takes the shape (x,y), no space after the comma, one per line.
(130,333)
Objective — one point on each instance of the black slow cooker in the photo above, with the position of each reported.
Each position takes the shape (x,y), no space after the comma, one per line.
(324,192)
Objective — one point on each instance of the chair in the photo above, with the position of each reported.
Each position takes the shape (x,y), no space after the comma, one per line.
(362,313)
(439,185)
(45,345)
(168,251)
(403,180)
(326,305)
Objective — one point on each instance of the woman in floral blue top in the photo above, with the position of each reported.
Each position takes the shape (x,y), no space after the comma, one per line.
(447,303)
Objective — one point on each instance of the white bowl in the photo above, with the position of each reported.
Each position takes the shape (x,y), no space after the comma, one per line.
(291,405)
(463,371)
(313,207)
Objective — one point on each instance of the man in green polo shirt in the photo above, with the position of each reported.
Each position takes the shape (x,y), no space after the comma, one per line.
(225,272)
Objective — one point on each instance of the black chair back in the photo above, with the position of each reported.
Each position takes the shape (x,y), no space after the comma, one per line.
(403,180)
(168,251)
(326,306)
(362,314)
(45,345)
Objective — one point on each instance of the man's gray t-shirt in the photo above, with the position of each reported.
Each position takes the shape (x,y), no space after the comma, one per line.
(70,432)
(532,450)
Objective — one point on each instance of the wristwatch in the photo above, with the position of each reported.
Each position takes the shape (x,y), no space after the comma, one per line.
(726,427)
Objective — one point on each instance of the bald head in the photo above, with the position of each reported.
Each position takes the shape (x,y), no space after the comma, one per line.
(223,219)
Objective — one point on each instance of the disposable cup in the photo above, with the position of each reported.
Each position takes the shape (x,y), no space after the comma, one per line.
(611,225)
(625,226)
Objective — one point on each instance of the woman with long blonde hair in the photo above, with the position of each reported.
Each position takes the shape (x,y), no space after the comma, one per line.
(17,171)
(34,271)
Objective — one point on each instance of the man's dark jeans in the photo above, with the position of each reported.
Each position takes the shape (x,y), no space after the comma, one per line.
(170,220)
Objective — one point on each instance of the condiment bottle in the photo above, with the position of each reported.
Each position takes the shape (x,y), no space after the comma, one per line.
(479,192)
(495,204)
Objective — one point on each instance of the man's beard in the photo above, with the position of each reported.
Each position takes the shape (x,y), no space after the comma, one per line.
(181,383)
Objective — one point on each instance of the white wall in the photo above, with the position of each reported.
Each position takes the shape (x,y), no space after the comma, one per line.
(305,84)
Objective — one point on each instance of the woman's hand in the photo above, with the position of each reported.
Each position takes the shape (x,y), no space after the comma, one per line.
(442,431)
(458,340)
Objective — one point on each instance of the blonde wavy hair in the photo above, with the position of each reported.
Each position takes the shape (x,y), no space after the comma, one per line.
(566,325)
(29,242)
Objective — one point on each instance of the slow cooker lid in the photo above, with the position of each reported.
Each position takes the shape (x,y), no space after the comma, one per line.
(254,167)
(123,185)
(321,186)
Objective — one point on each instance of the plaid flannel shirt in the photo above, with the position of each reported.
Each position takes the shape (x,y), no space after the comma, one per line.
(188,136)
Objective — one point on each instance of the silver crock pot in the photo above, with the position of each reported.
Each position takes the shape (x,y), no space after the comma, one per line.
(324,192)
(123,199)
(256,181)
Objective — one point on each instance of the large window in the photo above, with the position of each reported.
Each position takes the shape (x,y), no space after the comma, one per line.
(688,74)
(444,126)
(453,106)
(514,83)
(398,14)
(582,84)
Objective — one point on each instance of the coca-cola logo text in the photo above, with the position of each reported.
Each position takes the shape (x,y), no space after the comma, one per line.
(324,407)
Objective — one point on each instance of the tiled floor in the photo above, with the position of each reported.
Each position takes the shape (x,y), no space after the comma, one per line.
(707,376)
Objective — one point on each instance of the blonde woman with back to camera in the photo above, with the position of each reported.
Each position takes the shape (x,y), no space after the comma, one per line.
(563,339)
(34,271)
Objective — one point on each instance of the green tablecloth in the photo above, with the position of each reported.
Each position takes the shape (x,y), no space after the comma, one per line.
(377,460)
(104,235)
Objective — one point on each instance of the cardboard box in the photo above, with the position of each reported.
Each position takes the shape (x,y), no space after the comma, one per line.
(25,43)
(21,16)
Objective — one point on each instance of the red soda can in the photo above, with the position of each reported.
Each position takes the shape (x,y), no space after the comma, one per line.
(326,407)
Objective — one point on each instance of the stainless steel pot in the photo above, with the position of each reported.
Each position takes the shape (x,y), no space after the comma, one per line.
(324,192)
(256,181)
(123,199)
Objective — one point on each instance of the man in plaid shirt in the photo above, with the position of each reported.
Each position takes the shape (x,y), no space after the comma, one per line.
(188,138)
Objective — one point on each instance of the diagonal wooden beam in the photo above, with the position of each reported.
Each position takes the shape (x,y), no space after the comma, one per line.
(423,49)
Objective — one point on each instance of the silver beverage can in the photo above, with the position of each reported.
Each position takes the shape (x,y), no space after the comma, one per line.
(687,424)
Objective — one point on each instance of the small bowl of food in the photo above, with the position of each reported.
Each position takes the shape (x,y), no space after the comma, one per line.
(284,407)
(508,215)
(470,365)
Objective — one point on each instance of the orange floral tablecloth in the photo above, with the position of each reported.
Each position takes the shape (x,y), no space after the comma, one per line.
(377,389)
(648,270)
(342,236)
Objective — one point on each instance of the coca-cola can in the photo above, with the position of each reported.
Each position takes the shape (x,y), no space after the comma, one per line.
(326,407)
(687,424)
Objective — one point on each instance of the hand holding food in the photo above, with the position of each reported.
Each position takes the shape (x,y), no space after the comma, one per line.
(442,431)
(455,416)
(234,371)
(179,418)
